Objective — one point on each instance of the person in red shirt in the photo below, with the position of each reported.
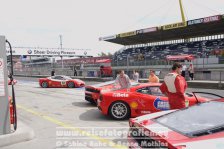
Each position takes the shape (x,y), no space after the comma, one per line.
(174,87)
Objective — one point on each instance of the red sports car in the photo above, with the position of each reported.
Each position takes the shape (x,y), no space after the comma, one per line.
(142,99)
(199,126)
(10,82)
(92,92)
(60,81)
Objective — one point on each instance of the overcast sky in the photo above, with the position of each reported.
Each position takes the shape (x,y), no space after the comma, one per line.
(81,22)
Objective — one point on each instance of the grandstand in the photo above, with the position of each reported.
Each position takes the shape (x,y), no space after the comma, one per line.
(148,48)
(199,49)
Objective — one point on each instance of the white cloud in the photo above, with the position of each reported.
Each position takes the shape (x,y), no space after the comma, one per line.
(81,22)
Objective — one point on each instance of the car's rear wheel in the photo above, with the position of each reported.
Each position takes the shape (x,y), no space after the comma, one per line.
(44,84)
(119,110)
(71,85)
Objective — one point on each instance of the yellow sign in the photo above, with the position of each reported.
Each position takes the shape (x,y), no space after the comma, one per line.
(127,34)
(175,25)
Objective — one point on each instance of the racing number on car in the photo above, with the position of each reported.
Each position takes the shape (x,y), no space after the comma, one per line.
(63,83)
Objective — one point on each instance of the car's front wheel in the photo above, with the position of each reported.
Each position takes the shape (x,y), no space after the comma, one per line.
(71,85)
(119,110)
(44,84)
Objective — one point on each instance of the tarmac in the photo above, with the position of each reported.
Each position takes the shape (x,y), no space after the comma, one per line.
(22,134)
(206,84)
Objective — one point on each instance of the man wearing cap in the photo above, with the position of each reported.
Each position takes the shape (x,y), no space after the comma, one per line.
(174,87)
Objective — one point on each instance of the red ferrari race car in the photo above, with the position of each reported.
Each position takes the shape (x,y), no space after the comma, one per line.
(199,126)
(11,82)
(92,92)
(142,99)
(60,81)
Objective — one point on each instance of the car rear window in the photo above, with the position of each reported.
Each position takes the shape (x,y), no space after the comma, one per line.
(196,119)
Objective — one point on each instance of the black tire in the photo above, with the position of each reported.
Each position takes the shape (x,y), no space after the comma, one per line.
(71,85)
(119,110)
(44,84)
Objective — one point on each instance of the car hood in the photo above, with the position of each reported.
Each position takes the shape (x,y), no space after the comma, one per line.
(213,141)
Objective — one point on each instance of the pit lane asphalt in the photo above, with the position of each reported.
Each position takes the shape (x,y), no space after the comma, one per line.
(47,111)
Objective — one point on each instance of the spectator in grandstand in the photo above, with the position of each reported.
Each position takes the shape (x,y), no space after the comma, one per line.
(152,77)
(75,72)
(122,80)
(135,76)
(174,87)
(184,67)
(53,73)
(191,71)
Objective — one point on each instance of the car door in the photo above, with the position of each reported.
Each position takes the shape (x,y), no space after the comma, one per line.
(151,99)
(57,81)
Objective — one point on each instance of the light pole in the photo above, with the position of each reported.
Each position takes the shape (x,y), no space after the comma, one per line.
(62,64)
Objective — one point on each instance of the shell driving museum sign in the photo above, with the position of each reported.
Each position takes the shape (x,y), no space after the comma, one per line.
(2,83)
(49,52)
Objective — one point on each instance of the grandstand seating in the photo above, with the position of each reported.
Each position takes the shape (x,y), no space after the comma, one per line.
(159,52)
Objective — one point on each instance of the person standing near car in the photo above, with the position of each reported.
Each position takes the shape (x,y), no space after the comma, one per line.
(152,77)
(174,87)
(135,76)
(191,71)
(184,67)
(53,73)
(123,80)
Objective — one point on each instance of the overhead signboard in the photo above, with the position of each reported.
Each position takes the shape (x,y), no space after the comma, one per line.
(49,52)
(127,34)
(152,29)
(212,19)
(146,30)
(197,21)
(175,25)
(107,37)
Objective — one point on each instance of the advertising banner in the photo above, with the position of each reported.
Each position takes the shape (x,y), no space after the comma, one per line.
(147,30)
(107,37)
(212,19)
(127,34)
(197,21)
(48,52)
(175,25)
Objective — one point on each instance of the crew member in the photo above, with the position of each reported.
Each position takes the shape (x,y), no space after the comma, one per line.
(152,77)
(123,80)
(135,76)
(53,73)
(174,86)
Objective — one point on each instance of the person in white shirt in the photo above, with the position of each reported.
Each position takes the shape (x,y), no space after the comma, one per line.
(135,76)
(184,67)
(123,80)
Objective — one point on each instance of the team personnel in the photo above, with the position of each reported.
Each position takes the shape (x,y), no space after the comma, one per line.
(152,77)
(135,76)
(174,86)
(123,80)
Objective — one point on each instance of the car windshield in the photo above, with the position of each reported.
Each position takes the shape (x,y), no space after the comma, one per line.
(104,84)
(198,118)
(67,77)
